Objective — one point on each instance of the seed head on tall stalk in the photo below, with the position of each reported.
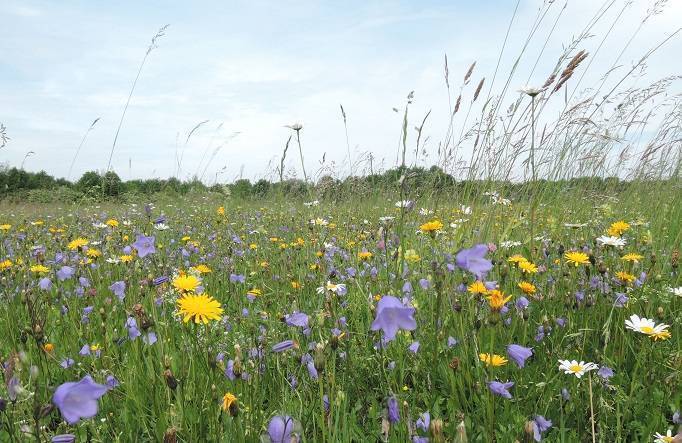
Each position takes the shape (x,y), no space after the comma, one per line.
(3,136)
(532,93)
(297,127)
(161,32)
(78,149)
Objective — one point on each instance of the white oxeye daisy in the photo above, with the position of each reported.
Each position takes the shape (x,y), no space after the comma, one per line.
(161,226)
(667,438)
(607,240)
(575,225)
(531,91)
(407,204)
(331,287)
(645,326)
(575,368)
(677,291)
(319,222)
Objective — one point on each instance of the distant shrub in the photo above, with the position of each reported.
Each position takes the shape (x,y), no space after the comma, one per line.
(89,182)
(111,184)
(241,188)
(59,194)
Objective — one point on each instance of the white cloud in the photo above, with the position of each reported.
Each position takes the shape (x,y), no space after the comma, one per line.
(256,72)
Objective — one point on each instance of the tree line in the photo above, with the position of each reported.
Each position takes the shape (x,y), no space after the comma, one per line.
(19,183)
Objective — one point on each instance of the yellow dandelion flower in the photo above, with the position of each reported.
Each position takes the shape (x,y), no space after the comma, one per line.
(527,288)
(364,255)
(431,227)
(39,269)
(5,227)
(199,307)
(492,359)
(516,259)
(126,258)
(618,228)
(229,400)
(295,285)
(203,269)
(477,287)
(5,264)
(93,253)
(528,267)
(77,243)
(255,292)
(186,283)
(660,335)
(496,299)
(577,258)
(625,277)
(632,257)
(220,210)
(112,223)
(48,347)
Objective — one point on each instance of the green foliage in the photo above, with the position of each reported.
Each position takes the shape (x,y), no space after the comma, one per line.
(64,194)
(421,182)
(242,188)
(90,182)
(111,184)
(354,373)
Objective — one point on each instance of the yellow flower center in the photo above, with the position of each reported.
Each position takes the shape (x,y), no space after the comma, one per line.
(575,368)
(646,329)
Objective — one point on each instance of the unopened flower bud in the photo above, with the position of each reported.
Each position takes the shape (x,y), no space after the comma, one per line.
(171,381)
(43,411)
(170,436)
(340,397)
(436,430)
(237,368)
(319,358)
(461,433)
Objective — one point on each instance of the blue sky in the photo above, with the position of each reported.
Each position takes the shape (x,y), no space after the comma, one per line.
(250,68)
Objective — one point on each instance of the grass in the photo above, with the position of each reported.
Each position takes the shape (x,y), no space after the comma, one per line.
(355,375)
(263,259)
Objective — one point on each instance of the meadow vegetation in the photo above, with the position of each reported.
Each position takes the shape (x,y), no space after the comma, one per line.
(524,287)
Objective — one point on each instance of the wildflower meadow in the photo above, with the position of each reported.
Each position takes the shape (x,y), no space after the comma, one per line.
(309,321)
(472,234)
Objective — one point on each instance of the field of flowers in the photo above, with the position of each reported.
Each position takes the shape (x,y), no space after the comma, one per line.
(281,321)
